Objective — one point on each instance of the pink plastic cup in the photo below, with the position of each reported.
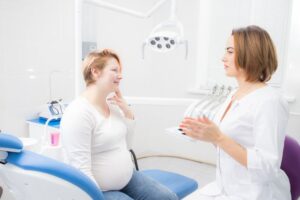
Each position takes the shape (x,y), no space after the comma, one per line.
(54,138)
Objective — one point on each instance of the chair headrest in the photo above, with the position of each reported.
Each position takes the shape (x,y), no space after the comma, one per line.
(10,143)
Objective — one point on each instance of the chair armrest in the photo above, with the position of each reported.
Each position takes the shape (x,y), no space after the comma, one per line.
(134,159)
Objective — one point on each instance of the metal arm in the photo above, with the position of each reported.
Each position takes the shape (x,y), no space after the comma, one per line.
(125,10)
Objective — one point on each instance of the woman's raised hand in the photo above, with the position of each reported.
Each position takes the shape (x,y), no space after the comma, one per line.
(118,100)
(201,128)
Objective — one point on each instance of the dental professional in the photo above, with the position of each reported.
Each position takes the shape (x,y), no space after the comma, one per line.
(249,130)
(94,130)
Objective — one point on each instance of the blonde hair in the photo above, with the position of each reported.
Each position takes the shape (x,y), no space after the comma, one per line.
(98,60)
(255,53)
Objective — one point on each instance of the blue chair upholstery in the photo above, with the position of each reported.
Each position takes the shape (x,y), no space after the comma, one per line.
(181,185)
(27,160)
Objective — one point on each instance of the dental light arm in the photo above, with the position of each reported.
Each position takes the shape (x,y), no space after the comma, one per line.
(116,8)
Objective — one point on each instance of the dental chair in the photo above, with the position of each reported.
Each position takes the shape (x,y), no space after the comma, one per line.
(25,175)
(291,165)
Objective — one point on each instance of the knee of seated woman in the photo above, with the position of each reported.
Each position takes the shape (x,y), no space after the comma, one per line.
(166,194)
(171,196)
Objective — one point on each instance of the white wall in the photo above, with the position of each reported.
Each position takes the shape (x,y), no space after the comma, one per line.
(36,38)
(218,18)
(292,75)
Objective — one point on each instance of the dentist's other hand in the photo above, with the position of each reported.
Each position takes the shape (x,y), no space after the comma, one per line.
(201,129)
(118,100)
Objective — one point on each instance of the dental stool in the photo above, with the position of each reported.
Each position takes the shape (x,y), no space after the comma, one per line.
(25,175)
(291,165)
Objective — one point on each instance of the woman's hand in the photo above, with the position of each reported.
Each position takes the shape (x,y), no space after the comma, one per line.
(205,130)
(118,100)
(201,129)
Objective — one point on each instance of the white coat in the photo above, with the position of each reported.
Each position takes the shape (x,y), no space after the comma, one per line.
(257,122)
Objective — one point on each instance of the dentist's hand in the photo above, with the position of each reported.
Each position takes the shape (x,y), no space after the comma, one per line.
(120,101)
(201,129)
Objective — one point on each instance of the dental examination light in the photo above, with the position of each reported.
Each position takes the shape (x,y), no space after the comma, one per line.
(165,37)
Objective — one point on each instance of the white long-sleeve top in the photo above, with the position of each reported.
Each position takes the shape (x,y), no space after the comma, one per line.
(97,145)
(258,123)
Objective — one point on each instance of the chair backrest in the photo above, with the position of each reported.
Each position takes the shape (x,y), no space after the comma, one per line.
(27,160)
(291,165)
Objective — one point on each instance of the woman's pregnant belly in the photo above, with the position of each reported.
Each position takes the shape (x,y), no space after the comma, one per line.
(112,169)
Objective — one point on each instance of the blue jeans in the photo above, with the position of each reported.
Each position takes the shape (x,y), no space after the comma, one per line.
(141,187)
